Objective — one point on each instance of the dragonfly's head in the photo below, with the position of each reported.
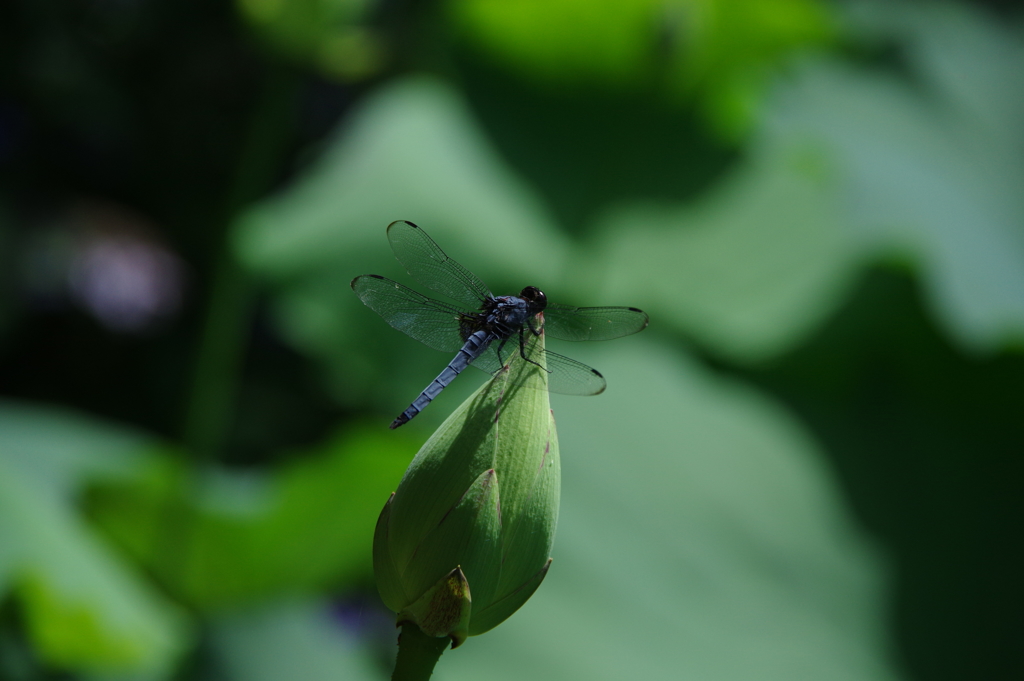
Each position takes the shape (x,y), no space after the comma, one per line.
(535,297)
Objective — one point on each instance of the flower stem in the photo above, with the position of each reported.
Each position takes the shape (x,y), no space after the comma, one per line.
(417,654)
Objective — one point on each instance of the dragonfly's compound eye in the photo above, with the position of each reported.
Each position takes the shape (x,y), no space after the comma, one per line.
(535,297)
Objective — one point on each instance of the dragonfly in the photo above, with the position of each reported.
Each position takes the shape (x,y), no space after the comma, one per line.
(484,330)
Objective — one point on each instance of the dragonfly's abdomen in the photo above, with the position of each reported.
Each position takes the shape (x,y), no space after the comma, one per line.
(475,345)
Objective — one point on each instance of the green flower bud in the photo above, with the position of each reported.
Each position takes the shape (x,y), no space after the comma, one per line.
(465,539)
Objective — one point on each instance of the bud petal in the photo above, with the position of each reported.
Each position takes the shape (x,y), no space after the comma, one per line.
(389,583)
(469,533)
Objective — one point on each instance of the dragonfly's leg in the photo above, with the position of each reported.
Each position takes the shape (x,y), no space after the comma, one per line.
(529,323)
(498,351)
(522,349)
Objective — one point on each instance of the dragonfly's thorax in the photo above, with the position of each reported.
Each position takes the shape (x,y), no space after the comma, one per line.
(504,316)
(508,315)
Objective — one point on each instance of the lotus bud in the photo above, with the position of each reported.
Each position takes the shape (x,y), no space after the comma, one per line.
(465,539)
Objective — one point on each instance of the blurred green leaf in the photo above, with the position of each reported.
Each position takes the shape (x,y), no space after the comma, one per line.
(731,50)
(85,609)
(975,61)
(221,538)
(928,176)
(288,640)
(848,166)
(751,268)
(332,35)
(720,51)
(565,40)
(61,448)
(700,536)
(410,151)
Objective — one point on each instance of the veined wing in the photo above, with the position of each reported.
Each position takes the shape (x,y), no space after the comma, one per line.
(429,265)
(429,321)
(569,377)
(566,376)
(592,323)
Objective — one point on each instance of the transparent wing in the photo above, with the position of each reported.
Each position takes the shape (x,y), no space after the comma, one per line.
(429,321)
(429,265)
(566,376)
(569,377)
(592,323)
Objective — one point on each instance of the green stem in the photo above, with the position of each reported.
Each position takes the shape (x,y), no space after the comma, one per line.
(210,407)
(218,365)
(417,654)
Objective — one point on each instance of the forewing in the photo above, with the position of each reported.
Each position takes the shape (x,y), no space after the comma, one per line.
(429,265)
(592,323)
(429,321)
